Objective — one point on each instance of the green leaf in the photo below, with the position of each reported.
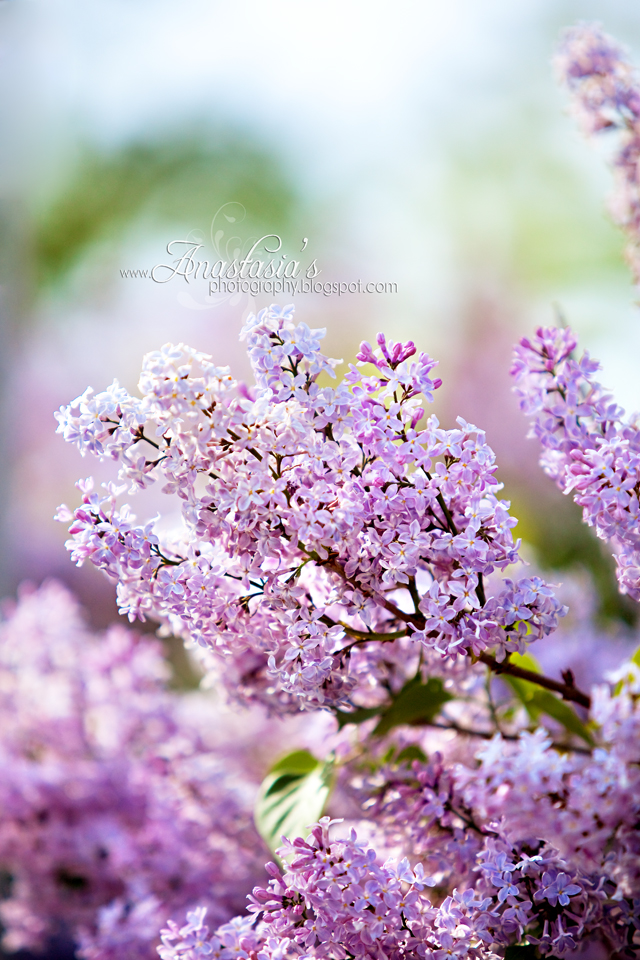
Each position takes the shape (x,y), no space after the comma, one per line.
(521,952)
(537,700)
(357,716)
(527,661)
(619,687)
(291,797)
(416,703)
(544,702)
(411,753)
(299,762)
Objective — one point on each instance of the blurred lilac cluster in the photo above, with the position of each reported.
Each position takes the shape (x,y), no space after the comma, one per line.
(605,93)
(115,812)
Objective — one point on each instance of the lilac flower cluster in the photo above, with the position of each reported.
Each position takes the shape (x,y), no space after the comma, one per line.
(336,900)
(587,446)
(115,815)
(521,844)
(549,830)
(337,549)
(319,522)
(606,96)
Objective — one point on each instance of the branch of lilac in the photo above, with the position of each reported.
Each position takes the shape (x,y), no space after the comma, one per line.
(308,512)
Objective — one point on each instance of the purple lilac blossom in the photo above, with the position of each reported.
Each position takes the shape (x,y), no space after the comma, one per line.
(605,96)
(587,445)
(533,846)
(332,547)
(313,517)
(115,815)
(569,818)
(518,844)
(336,543)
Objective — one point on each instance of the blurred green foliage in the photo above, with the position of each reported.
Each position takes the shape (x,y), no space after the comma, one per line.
(173,180)
(523,205)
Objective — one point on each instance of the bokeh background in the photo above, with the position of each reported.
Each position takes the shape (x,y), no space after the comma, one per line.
(421,144)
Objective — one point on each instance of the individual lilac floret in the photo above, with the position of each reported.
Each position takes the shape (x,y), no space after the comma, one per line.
(314,518)
(606,97)
(587,446)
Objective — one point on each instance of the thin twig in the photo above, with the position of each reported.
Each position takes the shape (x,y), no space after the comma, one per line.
(567,691)
(487,735)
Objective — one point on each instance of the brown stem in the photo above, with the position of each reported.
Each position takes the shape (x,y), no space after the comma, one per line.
(445,509)
(140,435)
(234,436)
(567,691)
(486,735)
